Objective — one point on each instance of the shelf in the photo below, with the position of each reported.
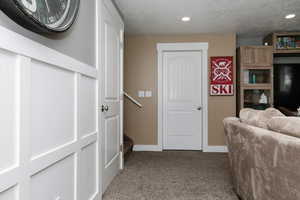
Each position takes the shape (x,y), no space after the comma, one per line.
(257,67)
(256,77)
(289,49)
(257,86)
(253,97)
(284,42)
(283,51)
(287,34)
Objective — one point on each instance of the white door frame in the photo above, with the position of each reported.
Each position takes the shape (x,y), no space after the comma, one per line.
(109,5)
(98,9)
(169,47)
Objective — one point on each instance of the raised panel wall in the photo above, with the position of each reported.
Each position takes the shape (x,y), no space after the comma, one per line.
(88,169)
(8,113)
(55,182)
(87,100)
(9,194)
(49,138)
(52,107)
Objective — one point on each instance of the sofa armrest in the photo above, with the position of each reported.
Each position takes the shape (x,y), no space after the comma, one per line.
(229,122)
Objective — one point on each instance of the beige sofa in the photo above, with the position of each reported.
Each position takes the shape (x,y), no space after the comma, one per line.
(265,164)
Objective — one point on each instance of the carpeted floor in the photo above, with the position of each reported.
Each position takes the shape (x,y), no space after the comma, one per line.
(173,175)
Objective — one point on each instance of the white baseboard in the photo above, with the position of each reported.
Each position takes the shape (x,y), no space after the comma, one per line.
(147,148)
(216,149)
(208,149)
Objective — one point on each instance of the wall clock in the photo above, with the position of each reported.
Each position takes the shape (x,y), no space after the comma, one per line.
(42,16)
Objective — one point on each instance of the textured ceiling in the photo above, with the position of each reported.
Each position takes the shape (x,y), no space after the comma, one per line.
(247,18)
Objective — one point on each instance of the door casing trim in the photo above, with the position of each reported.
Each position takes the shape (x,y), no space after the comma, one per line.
(196,46)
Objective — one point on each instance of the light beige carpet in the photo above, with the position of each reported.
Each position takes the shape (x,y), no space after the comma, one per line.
(173,175)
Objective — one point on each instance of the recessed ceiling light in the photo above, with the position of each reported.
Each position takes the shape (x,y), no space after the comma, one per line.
(290,16)
(186,19)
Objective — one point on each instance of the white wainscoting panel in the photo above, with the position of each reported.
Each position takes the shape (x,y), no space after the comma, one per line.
(52,107)
(9,194)
(48,134)
(54,182)
(88,168)
(8,112)
(87,100)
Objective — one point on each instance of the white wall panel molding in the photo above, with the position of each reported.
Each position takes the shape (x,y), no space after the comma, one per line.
(48,123)
(18,44)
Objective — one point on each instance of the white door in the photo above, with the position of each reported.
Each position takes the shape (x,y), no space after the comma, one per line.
(110,95)
(182,100)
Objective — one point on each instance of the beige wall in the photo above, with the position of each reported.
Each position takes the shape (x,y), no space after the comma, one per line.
(140,73)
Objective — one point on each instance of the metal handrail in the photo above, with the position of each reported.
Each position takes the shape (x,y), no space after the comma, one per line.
(133,100)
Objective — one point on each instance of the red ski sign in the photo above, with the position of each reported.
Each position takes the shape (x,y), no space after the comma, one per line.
(221,79)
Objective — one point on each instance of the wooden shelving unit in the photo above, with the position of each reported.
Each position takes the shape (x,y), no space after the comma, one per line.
(284,43)
(254,76)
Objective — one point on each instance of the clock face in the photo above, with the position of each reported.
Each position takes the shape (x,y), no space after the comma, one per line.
(49,15)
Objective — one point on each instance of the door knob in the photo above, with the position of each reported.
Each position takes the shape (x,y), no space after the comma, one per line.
(199,108)
(104,108)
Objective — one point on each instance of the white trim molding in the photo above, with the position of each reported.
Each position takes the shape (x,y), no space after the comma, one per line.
(208,149)
(193,46)
(203,47)
(147,148)
(37,51)
(215,149)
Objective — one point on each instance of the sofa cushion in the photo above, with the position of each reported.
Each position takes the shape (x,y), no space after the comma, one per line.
(285,125)
(259,118)
(273,112)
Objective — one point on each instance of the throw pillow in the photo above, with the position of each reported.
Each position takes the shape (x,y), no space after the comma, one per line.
(259,118)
